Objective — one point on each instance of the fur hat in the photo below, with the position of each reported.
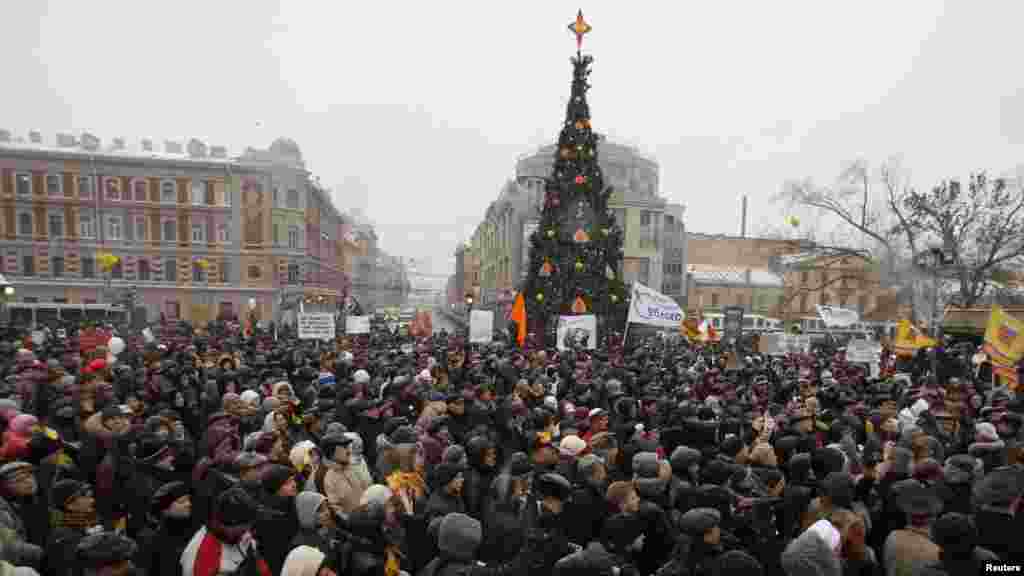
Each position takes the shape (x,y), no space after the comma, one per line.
(275,476)
(167,495)
(459,536)
(554,486)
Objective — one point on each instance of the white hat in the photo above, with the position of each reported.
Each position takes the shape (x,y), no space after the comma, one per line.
(361,377)
(594,413)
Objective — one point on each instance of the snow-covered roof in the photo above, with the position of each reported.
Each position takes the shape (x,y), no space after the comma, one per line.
(126,153)
(735,275)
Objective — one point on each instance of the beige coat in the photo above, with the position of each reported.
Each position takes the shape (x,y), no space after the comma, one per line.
(344,487)
(907,551)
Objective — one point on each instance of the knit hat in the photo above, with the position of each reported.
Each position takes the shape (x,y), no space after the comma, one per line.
(167,495)
(67,490)
(378,495)
(699,520)
(986,432)
(236,507)
(275,476)
(553,485)
(10,471)
(104,549)
(839,487)
(999,487)
(303,560)
(962,469)
(404,435)
(246,460)
(572,446)
(738,563)
(645,465)
(459,536)
(446,472)
(585,465)
(455,454)
(519,465)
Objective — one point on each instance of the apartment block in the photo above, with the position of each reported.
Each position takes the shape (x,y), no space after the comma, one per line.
(197,233)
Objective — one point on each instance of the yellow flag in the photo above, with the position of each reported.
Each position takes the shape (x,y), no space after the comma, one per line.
(1004,344)
(909,339)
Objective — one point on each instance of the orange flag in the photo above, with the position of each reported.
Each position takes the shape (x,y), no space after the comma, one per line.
(519,317)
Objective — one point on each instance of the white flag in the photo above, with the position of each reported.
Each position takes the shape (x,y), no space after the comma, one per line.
(653,308)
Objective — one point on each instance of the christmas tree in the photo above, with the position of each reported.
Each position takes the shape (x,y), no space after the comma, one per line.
(576,250)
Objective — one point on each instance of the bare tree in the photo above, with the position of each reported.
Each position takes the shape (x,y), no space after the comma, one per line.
(980,229)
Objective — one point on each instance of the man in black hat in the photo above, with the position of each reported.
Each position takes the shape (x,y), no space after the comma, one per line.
(106,554)
(336,478)
(907,550)
(546,535)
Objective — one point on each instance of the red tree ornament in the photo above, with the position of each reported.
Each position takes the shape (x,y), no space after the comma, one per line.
(581,179)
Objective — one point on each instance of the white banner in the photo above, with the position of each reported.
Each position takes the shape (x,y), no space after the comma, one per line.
(780,344)
(481,326)
(317,326)
(577,332)
(863,351)
(653,308)
(357,324)
(836,317)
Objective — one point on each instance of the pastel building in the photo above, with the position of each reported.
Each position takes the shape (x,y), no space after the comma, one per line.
(198,233)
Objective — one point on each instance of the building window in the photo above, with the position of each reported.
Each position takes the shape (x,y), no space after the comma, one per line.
(113,227)
(28,265)
(277,202)
(171,270)
(170,231)
(86,226)
(88,266)
(173,309)
(23,184)
(804,277)
(293,273)
(293,199)
(225,271)
(139,190)
(112,188)
(277,236)
(223,235)
(198,192)
(84,187)
(198,274)
(140,228)
(168,192)
(57,266)
(208,194)
(25,224)
(54,185)
(645,218)
(227,196)
(714,299)
(142,270)
(862,303)
(293,237)
(198,233)
(56,225)
(254,272)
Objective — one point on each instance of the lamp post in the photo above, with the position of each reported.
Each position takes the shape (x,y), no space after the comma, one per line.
(8,295)
(934,261)
(469,316)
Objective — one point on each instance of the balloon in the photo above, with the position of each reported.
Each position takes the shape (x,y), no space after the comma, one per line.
(116,345)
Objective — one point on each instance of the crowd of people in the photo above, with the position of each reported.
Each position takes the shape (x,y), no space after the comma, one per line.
(204,451)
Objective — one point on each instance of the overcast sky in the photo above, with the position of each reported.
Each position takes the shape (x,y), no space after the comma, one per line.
(416,111)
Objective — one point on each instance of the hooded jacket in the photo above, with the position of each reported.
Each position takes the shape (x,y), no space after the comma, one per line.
(810,555)
(307,505)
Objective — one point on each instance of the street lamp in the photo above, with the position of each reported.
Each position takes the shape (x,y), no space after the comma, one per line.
(935,260)
(8,292)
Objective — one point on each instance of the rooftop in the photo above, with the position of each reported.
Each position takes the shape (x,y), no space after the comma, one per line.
(87,145)
(735,275)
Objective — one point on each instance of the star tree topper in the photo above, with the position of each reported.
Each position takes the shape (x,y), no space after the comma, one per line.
(579,28)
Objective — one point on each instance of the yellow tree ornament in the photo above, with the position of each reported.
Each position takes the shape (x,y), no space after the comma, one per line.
(793,221)
(203,263)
